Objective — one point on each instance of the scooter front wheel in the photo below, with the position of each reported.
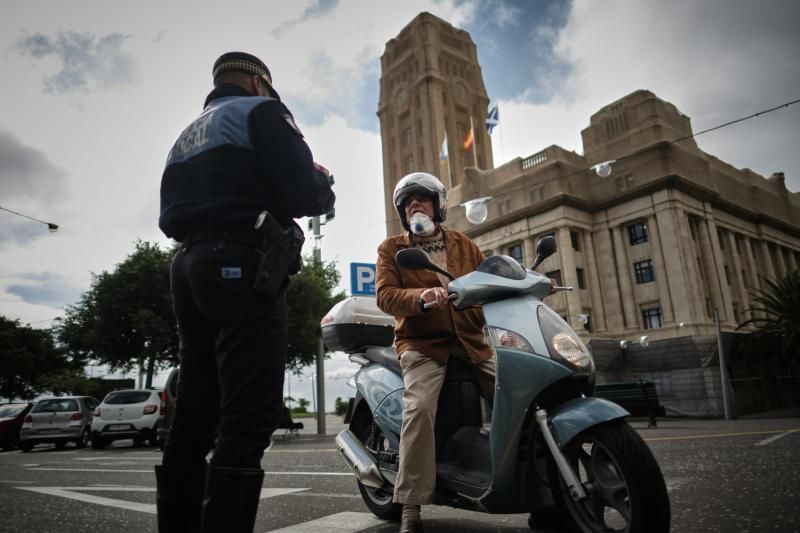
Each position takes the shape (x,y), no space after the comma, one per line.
(379,500)
(625,489)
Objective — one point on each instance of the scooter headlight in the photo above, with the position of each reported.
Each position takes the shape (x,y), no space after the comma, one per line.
(563,343)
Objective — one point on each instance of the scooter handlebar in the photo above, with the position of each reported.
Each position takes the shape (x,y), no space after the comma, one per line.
(428,305)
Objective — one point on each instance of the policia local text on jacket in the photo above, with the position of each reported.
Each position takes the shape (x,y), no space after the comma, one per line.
(243,155)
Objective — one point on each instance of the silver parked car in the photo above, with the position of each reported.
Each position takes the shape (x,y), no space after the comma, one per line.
(127,414)
(58,420)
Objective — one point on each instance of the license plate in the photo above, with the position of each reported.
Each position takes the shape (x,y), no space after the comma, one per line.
(119,427)
(48,431)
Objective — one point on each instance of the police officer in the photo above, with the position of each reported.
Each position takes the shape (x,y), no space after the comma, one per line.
(234,182)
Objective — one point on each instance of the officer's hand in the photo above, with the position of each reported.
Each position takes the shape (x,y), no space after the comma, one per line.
(553,285)
(435,294)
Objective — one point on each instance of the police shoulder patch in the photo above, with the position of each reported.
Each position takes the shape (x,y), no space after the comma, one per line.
(292,124)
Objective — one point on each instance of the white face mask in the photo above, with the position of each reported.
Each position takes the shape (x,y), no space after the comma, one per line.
(421,224)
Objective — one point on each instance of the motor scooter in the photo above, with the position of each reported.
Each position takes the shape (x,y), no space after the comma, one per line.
(551,449)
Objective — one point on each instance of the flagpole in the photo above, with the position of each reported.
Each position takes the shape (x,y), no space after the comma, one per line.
(474,144)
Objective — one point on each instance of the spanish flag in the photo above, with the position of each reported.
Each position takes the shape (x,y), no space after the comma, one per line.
(469,140)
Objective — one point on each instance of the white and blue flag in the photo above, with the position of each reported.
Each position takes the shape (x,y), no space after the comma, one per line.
(443,153)
(492,118)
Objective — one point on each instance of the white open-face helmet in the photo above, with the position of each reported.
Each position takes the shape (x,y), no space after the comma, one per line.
(420,183)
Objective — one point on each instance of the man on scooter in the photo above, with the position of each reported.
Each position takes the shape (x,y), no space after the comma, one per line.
(425,337)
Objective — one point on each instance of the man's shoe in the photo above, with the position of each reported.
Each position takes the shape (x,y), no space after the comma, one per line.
(411,525)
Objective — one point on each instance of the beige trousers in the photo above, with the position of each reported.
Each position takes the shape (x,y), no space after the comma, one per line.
(423,378)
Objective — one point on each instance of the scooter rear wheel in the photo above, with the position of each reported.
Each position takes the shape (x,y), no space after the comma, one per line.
(379,501)
(625,489)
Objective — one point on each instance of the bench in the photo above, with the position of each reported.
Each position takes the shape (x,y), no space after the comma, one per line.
(292,428)
(639,398)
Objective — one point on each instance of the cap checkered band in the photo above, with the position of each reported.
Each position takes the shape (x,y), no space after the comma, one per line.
(243,66)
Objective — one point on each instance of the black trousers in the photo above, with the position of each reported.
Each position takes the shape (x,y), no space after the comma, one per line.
(232,357)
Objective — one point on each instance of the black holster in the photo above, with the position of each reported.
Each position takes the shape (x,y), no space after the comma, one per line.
(280,254)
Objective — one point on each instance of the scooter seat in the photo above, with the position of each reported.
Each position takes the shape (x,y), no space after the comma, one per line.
(385,356)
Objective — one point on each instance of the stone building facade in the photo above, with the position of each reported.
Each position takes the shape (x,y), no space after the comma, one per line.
(672,235)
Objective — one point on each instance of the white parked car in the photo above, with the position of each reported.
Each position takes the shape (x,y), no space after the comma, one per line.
(127,414)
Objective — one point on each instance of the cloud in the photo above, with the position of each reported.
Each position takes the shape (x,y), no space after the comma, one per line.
(45,288)
(715,61)
(316,9)
(19,232)
(27,173)
(87,62)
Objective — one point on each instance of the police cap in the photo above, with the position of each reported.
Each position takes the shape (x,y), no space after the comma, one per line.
(243,62)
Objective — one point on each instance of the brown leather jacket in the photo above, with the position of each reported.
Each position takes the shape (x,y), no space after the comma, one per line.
(436,331)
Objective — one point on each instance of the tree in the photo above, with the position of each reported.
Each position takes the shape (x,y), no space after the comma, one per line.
(309,296)
(777,320)
(30,362)
(125,319)
(340,406)
(302,406)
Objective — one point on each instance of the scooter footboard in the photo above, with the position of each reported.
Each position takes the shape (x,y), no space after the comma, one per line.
(569,419)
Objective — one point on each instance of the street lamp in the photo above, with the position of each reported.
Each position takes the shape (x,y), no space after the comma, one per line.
(52,228)
(604,169)
(477,210)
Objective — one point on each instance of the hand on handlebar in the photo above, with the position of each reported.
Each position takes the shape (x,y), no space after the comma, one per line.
(434,297)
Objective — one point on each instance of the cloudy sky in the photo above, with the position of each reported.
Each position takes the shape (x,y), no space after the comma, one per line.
(96,92)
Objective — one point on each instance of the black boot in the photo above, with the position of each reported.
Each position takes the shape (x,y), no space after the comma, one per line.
(179,497)
(231,499)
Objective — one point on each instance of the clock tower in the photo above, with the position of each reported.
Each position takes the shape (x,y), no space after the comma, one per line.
(431,85)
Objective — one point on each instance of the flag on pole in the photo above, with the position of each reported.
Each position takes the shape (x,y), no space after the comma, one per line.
(443,153)
(493,118)
(469,139)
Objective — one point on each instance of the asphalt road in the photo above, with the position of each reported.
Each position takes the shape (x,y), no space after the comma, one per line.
(739,476)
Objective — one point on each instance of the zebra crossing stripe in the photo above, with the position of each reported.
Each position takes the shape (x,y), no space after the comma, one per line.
(79,493)
(336,523)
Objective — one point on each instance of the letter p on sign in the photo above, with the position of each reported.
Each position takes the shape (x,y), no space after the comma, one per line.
(362,279)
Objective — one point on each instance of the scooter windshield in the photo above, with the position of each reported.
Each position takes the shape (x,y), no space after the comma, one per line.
(504,266)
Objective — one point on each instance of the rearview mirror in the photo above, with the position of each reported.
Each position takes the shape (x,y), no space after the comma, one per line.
(544,249)
(416,259)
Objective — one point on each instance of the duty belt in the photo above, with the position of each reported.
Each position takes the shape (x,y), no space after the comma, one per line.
(247,238)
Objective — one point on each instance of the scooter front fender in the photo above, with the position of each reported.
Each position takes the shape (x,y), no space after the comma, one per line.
(574,416)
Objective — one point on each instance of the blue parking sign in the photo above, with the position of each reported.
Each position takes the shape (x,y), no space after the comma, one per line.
(362,279)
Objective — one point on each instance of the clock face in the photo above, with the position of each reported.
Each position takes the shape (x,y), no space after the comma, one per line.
(402,97)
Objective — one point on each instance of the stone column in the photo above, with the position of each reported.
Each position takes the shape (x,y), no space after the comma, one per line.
(593,279)
(715,273)
(752,265)
(792,261)
(766,261)
(690,292)
(739,286)
(662,279)
(569,275)
(780,263)
(529,249)
(609,281)
(624,271)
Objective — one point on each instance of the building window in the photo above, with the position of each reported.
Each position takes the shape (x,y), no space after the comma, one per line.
(581,279)
(644,271)
(721,238)
(515,251)
(576,242)
(727,275)
(556,275)
(407,137)
(744,279)
(409,164)
(651,318)
(637,233)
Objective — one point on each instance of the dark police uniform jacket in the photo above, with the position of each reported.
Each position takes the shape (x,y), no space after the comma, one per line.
(242,155)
